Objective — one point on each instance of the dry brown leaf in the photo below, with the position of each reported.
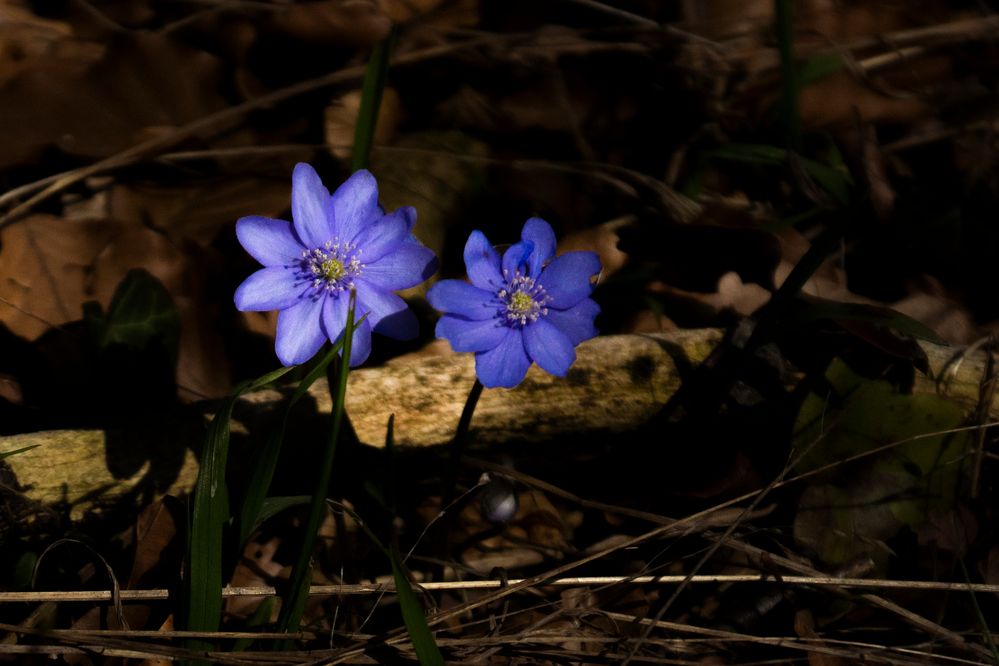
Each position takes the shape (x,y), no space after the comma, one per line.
(603,240)
(341,121)
(198,211)
(840,99)
(202,366)
(50,266)
(332,22)
(257,567)
(719,19)
(46,270)
(96,108)
(804,626)
(25,36)
(989,567)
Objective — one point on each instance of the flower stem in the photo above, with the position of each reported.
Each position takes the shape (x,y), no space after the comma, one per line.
(294,604)
(455,450)
(459,442)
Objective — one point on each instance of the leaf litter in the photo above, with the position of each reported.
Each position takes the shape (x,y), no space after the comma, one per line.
(625,135)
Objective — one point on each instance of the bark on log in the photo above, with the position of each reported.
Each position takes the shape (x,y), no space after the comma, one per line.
(616,384)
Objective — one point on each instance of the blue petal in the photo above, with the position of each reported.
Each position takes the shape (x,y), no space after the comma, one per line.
(482,263)
(577,321)
(271,242)
(360,346)
(310,206)
(381,236)
(300,332)
(389,315)
(400,325)
(471,336)
(549,347)
(460,298)
(506,364)
(541,234)
(335,320)
(567,278)
(407,265)
(355,205)
(515,258)
(269,289)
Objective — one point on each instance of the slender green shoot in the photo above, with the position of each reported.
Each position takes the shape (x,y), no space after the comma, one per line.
(203,582)
(785,45)
(8,454)
(263,470)
(978,612)
(371,100)
(293,605)
(413,615)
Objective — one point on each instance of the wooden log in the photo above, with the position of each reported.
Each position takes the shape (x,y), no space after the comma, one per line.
(616,385)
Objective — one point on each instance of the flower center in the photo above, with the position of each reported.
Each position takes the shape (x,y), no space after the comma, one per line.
(332,267)
(523,300)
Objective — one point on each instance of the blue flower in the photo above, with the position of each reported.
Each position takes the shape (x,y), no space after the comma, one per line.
(526,307)
(337,243)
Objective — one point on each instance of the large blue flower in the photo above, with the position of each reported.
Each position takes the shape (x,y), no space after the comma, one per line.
(527,306)
(337,243)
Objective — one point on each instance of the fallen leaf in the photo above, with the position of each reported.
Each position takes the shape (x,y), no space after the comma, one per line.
(97,108)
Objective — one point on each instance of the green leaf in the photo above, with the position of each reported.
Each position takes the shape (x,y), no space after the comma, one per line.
(24,571)
(272,506)
(751,153)
(835,180)
(141,312)
(266,459)
(791,86)
(211,514)
(413,616)
(871,314)
(260,617)
(371,100)
(298,588)
(819,67)
(203,580)
(853,510)
(8,454)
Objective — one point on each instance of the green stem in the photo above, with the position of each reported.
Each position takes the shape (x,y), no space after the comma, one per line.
(371,100)
(458,444)
(294,605)
(978,612)
(785,44)
(455,451)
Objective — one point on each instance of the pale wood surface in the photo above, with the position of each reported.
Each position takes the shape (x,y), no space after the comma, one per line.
(616,384)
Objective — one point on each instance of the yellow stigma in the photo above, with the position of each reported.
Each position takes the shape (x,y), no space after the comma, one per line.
(520,303)
(332,269)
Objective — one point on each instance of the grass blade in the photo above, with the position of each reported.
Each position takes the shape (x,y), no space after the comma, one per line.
(789,93)
(371,100)
(294,603)
(263,469)
(413,616)
(8,454)
(203,582)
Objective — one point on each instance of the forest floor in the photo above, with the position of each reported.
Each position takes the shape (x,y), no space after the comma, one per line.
(779,449)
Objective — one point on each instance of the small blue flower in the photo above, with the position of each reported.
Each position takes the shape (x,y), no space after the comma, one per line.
(526,307)
(337,243)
